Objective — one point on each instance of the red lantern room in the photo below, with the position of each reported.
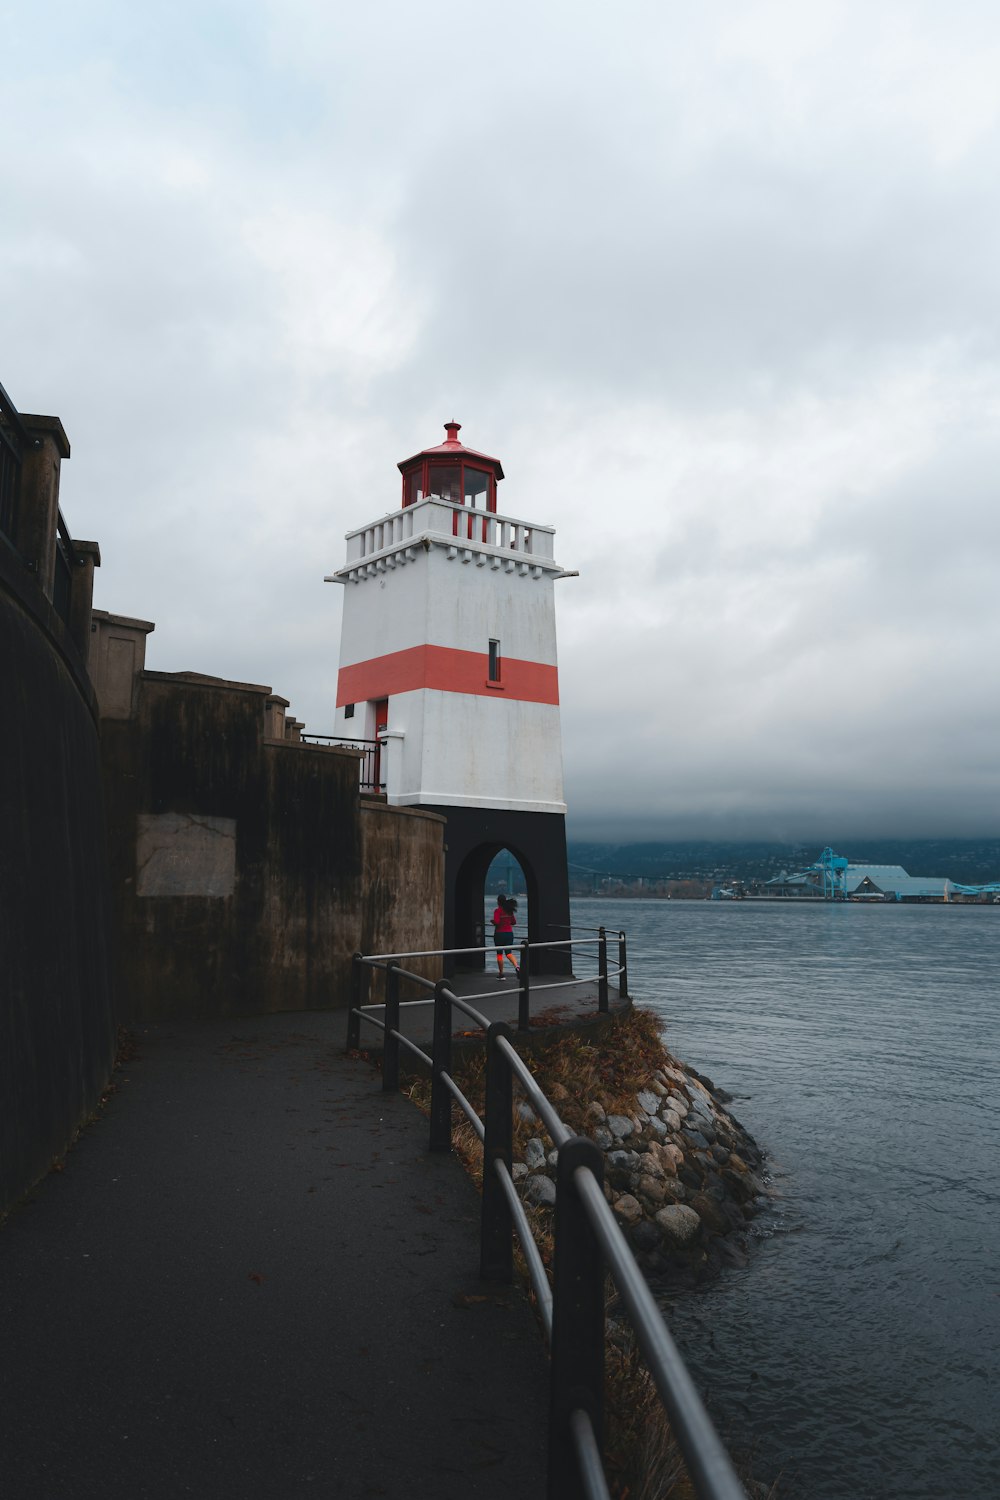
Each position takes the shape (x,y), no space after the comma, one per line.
(452,472)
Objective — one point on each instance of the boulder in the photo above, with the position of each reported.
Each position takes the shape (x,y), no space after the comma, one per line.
(695,1137)
(643,1236)
(540,1191)
(740,1186)
(711,1212)
(652,1190)
(678,1224)
(534,1154)
(623,1161)
(627,1209)
(730,1253)
(702,1109)
(674,1191)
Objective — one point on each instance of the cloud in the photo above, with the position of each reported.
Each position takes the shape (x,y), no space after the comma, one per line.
(718,287)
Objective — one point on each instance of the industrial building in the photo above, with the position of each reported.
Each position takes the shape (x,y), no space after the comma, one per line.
(834,878)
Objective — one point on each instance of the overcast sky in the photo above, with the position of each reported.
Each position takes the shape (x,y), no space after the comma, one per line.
(717,283)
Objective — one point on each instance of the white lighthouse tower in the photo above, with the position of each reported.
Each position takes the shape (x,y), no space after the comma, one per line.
(448,661)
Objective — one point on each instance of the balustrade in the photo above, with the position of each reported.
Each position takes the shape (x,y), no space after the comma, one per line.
(434,517)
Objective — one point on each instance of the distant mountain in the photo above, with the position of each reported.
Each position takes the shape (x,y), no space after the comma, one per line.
(966,861)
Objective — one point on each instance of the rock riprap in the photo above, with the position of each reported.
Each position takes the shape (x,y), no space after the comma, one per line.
(682,1175)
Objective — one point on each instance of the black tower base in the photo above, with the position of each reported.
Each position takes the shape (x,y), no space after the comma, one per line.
(473,838)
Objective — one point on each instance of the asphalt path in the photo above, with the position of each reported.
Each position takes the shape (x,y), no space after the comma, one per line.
(252,1279)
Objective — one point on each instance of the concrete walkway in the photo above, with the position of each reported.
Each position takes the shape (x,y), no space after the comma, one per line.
(252,1280)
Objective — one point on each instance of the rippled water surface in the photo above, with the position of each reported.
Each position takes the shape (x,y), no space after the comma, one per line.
(858,1355)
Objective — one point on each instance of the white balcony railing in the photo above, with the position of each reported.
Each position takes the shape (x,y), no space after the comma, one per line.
(444,521)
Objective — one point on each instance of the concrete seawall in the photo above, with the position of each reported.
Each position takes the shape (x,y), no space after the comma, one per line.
(56,1019)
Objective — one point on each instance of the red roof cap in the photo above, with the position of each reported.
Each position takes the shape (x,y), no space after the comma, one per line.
(452,448)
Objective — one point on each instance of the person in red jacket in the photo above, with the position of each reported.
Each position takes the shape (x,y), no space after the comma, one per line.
(503,932)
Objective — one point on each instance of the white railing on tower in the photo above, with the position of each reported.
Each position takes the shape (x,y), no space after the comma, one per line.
(447,521)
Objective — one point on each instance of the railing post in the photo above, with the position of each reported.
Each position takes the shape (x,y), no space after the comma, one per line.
(353,1018)
(602,965)
(496,1235)
(524,998)
(440,1095)
(622,968)
(390,1052)
(577,1362)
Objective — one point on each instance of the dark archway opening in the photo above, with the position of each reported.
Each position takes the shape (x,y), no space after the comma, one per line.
(485,872)
(537,842)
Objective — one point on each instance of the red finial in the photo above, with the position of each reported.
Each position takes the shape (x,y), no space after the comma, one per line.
(452,429)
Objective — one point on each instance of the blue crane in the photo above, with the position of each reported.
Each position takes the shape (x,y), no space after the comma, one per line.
(833,869)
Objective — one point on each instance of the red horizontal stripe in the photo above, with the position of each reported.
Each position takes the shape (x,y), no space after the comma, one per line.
(448,671)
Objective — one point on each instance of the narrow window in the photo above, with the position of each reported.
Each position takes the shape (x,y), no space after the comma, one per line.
(494,661)
(348,710)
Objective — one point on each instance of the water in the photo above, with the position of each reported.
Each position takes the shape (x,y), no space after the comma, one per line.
(858,1355)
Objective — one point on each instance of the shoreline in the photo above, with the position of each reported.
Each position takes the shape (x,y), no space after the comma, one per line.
(683,1176)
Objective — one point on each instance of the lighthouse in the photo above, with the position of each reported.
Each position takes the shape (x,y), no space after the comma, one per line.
(448,664)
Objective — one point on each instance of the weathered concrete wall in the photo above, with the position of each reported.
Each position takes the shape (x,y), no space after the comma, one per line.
(402,852)
(56,1011)
(402,856)
(244,873)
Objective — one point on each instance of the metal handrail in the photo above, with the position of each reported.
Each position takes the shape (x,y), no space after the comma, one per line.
(368,750)
(708,1463)
(377,958)
(589,1456)
(422,979)
(536,1268)
(464,1105)
(354,740)
(390,962)
(588,1243)
(558,1132)
(551,984)
(579,927)
(566,943)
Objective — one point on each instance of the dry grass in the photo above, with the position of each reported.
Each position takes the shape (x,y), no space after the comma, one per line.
(573,1070)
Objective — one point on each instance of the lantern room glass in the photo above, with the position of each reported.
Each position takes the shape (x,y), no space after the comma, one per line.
(477,488)
(414,488)
(445,481)
(457,483)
